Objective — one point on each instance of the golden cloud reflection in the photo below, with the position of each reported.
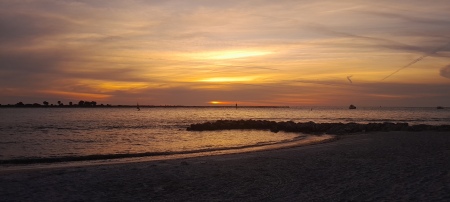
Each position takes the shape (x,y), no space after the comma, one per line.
(108,86)
(228,79)
(228,54)
(236,54)
(121,86)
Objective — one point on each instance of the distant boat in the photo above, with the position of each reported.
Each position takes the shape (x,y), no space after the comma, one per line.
(352,107)
(137,106)
(440,107)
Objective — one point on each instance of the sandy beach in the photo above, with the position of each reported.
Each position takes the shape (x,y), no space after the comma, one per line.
(382,166)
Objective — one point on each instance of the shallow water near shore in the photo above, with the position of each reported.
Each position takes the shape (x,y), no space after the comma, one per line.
(66,134)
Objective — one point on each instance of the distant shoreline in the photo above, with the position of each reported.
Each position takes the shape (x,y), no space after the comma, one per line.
(134,106)
(197,106)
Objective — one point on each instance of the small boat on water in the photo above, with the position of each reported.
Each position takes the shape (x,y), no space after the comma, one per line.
(352,107)
(440,107)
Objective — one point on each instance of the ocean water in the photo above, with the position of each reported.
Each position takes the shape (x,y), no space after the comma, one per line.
(62,133)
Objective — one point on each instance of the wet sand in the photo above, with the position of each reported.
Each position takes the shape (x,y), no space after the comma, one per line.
(383,166)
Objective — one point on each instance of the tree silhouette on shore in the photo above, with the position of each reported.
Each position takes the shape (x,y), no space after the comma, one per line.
(59,103)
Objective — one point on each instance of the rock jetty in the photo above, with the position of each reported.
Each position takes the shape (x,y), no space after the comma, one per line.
(313,128)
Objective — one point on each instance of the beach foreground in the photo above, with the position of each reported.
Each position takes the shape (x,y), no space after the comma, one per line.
(382,166)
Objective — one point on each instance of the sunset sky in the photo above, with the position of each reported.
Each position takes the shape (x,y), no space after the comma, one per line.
(254,52)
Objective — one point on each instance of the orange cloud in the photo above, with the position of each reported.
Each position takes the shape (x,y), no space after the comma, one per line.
(388,96)
(74,95)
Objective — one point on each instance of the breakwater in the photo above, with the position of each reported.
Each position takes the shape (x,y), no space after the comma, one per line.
(313,128)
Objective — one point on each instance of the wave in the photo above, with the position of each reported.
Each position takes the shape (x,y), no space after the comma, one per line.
(87,127)
(105,127)
(61,159)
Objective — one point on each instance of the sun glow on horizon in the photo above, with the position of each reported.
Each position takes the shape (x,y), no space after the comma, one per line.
(215,102)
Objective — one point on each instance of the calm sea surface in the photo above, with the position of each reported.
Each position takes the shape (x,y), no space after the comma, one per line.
(27,133)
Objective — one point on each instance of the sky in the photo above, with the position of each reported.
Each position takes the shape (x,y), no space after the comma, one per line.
(208,52)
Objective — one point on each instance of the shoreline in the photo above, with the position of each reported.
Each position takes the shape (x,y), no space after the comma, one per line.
(296,142)
(381,166)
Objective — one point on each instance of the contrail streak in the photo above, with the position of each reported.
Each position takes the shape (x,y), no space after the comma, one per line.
(416,60)
(348,78)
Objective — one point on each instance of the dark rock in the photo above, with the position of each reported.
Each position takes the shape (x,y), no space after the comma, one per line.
(311,127)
